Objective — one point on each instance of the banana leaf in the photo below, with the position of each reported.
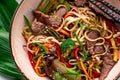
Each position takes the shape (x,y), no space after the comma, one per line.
(7,65)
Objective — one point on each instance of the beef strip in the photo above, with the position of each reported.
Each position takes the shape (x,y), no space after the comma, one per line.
(112,2)
(51,20)
(90,44)
(108,63)
(93,34)
(99,49)
(77,3)
(38,28)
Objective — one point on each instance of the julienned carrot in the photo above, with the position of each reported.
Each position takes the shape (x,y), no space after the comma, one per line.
(89,68)
(119,53)
(47,45)
(37,50)
(83,68)
(107,1)
(101,20)
(37,67)
(68,14)
(64,32)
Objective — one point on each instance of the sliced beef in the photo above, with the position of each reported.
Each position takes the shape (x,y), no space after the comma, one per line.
(61,12)
(108,63)
(93,34)
(112,2)
(99,49)
(51,20)
(90,44)
(38,28)
(77,3)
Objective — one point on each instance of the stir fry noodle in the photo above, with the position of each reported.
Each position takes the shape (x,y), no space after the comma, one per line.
(67,42)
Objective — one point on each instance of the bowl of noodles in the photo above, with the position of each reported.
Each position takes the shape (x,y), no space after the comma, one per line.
(62,40)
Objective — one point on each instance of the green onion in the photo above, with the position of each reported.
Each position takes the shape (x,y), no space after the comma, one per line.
(49,31)
(61,1)
(40,54)
(41,46)
(104,32)
(97,20)
(80,43)
(84,25)
(27,22)
(42,4)
(47,8)
(54,7)
(85,54)
(52,32)
(67,5)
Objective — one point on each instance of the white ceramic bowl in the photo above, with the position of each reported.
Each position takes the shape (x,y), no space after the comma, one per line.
(17,41)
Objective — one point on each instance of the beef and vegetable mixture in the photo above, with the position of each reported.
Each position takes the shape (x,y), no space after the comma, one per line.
(67,40)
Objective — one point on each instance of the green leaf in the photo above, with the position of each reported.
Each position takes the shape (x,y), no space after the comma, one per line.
(67,44)
(7,8)
(7,65)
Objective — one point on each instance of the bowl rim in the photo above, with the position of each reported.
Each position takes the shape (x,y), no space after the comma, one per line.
(10,42)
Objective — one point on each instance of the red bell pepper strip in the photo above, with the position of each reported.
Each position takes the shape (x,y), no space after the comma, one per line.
(111,26)
(59,54)
(76,50)
(108,42)
(58,49)
(67,64)
(31,59)
(95,74)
